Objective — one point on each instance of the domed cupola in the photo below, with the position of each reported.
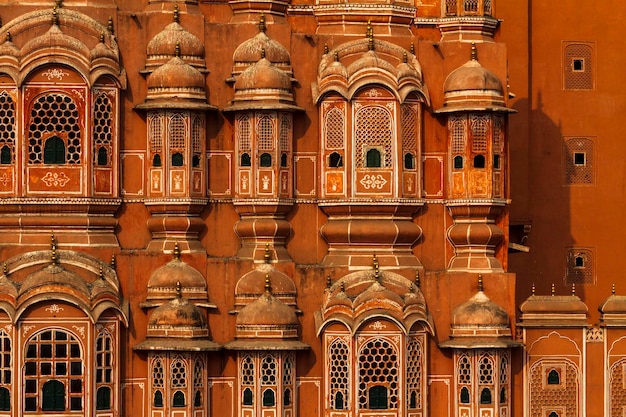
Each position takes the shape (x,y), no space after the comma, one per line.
(164,282)
(473,87)
(260,46)
(479,322)
(9,53)
(160,47)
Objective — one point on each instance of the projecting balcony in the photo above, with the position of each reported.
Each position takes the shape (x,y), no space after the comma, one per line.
(468,20)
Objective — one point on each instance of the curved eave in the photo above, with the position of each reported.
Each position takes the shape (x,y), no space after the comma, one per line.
(9,310)
(411,320)
(24,304)
(262,106)
(321,324)
(173,344)
(266,344)
(380,314)
(480,344)
(460,109)
(122,311)
(176,105)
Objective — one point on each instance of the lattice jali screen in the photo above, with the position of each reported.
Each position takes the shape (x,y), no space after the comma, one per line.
(247,371)
(197,133)
(579,269)
(268,370)
(158,373)
(198,373)
(414,369)
(5,356)
(408,123)
(7,122)
(155,132)
(285,132)
(102,125)
(578,66)
(451,7)
(243,132)
(177,131)
(338,370)
(544,395)
(178,373)
(618,387)
(485,370)
(498,134)
(288,370)
(480,127)
(456,127)
(334,129)
(373,128)
(51,113)
(464,370)
(378,366)
(578,159)
(265,132)
(470,6)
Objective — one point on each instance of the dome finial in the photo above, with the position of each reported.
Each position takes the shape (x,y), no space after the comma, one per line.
(113,262)
(176,251)
(417,279)
(176,14)
(336,56)
(267,256)
(53,249)
(268,285)
(343,286)
(110,25)
(177,50)
(55,17)
(612,287)
(474,53)
(376,267)
(552,290)
(262,27)
(262,53)
(101,37)
(101,273)
(5,269)
(329,281)
(532,289)
(179,290)
(369,33)
(573,289)
(412,48)
(325,48)
(58,3)
(405,57)
(8,36)
(480,283)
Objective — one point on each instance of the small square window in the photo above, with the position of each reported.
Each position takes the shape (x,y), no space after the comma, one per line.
(578,65)
(580,159)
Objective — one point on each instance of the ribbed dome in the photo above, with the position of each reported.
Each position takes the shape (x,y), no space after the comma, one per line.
(176,74)
(54,274)
(370,59)
(176,271)
(253,283)
(267,310)
(174,35)
(179,312)
(263,75)
(252,50)
(472,76)
(479,311)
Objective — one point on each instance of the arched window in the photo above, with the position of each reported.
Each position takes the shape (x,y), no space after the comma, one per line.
(179,399)
(103,158)
(283,160)
(335,160)
(479,161)
(465,396)
(195,161)
(5,399)
(247,396)
(158,399)
(269,398)
(554,378)
(378,398)
(338,405)
(5,155)
(554,414)
(156,160)
(409,161)
(502,395)
(265,160)
(373,158)
(103,398)
(485,396)
(53,398)
(245,160)
(54,151)
(413,400)
(496,161)
(287,397)
(197,399)
(177,159)
(458,162)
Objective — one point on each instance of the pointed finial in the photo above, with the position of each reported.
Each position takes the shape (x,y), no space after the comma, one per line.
(474,54)
(480,283)
(262,53)
(268,285)
(176,14)
(342,286)
(573,289)
(176,251)
(113,262)
(58,3)
(110,25)
(55,17)
(329,282)
(417,279)
(411,287)
(262,27)
(612,286)
(177,50)
(370,36)
(267,256)
(179,290)
(5,269)
(101,273)
(552,291)
(405,57)
(53,249)
(8,36)
(376,267)
(336,56)
(102,37)
(412,48)
(325,48)
(532,290)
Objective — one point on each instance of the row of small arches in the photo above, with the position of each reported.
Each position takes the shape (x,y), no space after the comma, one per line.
(373,159)
(485,396)
(269,397)
(178,399)
(54,153)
